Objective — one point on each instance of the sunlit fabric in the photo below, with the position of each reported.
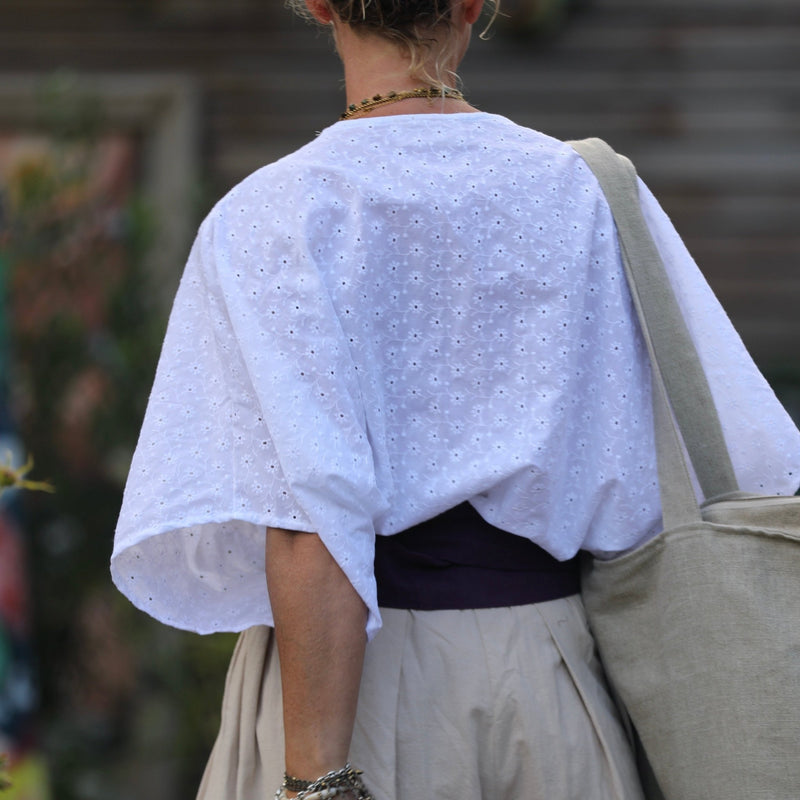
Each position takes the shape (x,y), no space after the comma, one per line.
(409,312)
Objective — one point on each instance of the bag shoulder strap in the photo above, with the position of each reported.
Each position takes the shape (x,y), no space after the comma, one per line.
(672,350)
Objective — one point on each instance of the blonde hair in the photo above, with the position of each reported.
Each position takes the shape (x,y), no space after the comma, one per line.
(421,27)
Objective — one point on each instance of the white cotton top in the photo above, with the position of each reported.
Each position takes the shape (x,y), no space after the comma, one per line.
(407,313)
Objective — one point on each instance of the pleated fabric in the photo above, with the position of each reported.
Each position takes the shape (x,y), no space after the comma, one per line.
(487,704)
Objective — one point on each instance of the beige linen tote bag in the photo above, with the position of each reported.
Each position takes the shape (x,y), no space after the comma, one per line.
(699,629)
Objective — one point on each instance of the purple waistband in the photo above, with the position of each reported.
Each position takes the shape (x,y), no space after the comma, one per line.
(458,560)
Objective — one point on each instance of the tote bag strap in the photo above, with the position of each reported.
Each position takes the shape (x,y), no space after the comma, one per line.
(676,365)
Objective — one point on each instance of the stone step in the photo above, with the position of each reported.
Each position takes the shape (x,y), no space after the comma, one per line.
(687,47)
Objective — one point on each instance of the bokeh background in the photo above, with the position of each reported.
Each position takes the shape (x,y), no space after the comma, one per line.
(122,121)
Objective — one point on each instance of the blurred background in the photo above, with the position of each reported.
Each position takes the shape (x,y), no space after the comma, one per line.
(122,121)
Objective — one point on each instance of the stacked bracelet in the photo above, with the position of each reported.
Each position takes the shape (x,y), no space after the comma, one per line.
(332,784)
(293,784)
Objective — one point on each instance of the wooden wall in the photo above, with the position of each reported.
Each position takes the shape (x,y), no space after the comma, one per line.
(703,94)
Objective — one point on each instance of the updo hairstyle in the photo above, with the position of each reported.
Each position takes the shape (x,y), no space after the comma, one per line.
(416,25)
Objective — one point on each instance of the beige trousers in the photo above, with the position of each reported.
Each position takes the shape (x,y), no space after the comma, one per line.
(487,704)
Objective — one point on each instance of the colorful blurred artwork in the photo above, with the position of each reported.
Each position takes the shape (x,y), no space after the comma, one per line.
(24,769)
(24,773)
(17,692)
(23,766)
(95,201)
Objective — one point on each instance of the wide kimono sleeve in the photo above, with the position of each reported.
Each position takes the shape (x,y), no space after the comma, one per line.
(255,419)
(763,440)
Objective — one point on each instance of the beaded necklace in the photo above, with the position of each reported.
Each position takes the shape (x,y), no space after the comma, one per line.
(429,92)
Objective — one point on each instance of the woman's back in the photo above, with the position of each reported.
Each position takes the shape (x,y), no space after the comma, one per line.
(471,267)
(405,314)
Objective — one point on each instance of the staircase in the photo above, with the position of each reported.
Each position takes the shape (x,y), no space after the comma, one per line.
(704,95)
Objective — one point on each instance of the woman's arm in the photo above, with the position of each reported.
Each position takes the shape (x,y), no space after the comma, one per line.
(320,632)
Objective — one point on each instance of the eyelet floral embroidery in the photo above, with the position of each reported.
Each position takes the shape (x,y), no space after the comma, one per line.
(360,343)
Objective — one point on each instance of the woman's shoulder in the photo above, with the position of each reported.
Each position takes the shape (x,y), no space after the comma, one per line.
(348,145)
(349,157)
(284,181)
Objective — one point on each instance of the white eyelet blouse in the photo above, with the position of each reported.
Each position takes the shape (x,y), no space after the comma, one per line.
(406,313)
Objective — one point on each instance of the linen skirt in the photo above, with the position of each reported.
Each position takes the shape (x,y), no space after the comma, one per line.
(488,704)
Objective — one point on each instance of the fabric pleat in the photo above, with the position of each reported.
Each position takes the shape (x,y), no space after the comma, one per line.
(458,705)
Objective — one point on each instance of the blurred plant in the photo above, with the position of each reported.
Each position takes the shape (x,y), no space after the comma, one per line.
(70,243)
(85,328)
(14,478)
(118,690)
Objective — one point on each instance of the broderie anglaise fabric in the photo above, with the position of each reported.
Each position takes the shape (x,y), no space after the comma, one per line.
(409,312)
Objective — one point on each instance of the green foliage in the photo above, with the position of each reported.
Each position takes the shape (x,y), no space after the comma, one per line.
(86,333)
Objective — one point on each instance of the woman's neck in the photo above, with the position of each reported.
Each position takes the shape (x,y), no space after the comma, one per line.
(376,66)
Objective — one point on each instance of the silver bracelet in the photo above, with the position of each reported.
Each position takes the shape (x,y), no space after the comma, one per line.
(332,784)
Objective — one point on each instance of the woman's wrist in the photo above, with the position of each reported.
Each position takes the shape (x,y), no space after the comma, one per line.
(312,751)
